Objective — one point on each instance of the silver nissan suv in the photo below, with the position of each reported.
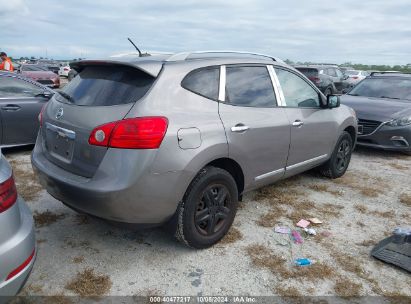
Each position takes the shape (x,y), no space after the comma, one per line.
(179,138)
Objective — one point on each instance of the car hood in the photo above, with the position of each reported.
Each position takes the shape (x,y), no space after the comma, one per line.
(379,109)
(39,74)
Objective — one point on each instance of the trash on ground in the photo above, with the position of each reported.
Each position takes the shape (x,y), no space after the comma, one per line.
(315,220)
(282,229)
(297,237)
(310,231)
(303,262)
(303,223)
(395,249)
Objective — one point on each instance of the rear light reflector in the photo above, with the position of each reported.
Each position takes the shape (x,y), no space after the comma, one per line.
(41,114)
(8,194)
(131,133)
(21,267)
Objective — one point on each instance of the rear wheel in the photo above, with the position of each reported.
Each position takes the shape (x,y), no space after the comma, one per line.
(207,210)
(340,159)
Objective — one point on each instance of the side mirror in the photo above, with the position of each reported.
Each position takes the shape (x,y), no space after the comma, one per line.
(333,101)
(345,77)
(46,94)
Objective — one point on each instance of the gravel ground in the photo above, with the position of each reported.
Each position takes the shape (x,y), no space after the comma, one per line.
(79,255)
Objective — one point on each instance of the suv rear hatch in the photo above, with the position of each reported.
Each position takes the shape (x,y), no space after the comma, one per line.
(102,92)
(311,73)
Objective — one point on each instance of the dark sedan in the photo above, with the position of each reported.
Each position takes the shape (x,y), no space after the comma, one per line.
(382,102)
(21,100)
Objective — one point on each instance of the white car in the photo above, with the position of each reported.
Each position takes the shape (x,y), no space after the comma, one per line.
(355,77)
(64,70)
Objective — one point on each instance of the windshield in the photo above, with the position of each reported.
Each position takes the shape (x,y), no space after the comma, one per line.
(106,86)
(352,73)
(383,88)
(32,68)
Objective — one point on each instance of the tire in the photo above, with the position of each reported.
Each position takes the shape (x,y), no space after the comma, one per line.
(328,91)
(337,165)
(215,217)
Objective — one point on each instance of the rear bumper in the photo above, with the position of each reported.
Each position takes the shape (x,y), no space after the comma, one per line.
(388,138)
(15,251)
(123,189)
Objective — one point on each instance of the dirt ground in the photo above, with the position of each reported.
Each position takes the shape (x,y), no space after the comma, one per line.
(79,255)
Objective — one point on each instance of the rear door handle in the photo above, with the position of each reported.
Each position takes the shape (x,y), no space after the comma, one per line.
(11,107)
(239,128)
(298,123)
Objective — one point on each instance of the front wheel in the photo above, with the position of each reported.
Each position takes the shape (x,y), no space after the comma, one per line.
(340,159)
(207,210)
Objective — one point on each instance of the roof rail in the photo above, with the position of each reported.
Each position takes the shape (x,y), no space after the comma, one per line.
(184,55)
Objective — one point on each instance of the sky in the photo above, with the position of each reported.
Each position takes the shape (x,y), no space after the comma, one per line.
(357,31)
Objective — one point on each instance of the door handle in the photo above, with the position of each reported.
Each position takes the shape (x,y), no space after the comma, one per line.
(11,107)
(298,123)
(239,128)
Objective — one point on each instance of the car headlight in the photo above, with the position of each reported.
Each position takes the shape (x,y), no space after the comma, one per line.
(400,122)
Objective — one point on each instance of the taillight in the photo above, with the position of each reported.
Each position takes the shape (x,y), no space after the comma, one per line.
(8,194)
(355,77)
(131,133)
(21,267)
(41,114)
(66,69)
(314,79)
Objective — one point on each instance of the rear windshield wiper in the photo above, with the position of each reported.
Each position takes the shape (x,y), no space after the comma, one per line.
(66,96)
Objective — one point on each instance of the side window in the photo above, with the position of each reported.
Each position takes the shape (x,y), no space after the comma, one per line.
(14,87)
(297,92)
(204,81)
(331,72)
(249,86)
(339,73)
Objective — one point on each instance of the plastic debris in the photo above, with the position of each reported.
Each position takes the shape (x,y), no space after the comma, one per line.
(297,237)
(282,229)
(303,223)
(303,262)
(310,231)
(315,220)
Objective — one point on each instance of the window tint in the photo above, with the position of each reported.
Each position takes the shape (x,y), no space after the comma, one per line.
(107,86)
(249,86)
(331,72)
(14,87)
(203,81)
(297,92)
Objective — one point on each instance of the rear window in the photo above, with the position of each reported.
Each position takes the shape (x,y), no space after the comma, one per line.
(308,72)
(106,86)
(204,81)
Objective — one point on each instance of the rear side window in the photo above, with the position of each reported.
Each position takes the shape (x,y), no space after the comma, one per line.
(204,81)
(249,86)
(107,86)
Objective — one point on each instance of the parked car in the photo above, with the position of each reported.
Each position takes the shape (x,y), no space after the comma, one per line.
(383,105)
(64,70)
(329,79)
(21,100)
(71,74)
(40,74)
(17,240)
(179,139)
(354,77)
(51,65)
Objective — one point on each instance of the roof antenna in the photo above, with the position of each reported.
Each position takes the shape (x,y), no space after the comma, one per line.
(138,50)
